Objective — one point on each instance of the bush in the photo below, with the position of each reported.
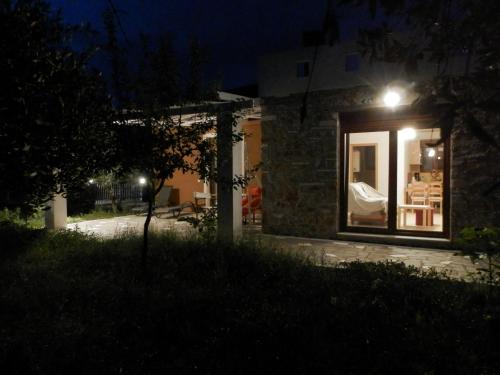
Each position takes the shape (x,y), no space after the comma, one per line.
(82,202)
(483,243)
(73,304)
(16,217)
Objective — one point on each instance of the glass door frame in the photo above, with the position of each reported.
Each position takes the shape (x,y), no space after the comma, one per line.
(381,119)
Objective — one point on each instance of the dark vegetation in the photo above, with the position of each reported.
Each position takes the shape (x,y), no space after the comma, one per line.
(56,127)
(71,305)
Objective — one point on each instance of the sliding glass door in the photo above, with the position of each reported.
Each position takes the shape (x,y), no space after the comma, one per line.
(394,178)
(367,179)
(420,177)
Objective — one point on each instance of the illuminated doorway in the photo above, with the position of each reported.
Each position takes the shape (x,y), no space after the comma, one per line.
(395,175)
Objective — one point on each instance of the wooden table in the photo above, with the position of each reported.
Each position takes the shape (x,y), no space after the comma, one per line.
(427,212)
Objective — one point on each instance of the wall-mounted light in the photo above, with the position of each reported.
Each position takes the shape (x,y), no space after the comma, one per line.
(142,181)
(431,153)
(392,98)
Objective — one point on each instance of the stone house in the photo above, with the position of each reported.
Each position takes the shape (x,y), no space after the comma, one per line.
(356,169)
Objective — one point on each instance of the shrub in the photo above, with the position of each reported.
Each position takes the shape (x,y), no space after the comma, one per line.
(481,243)
(72,304)
(82,201)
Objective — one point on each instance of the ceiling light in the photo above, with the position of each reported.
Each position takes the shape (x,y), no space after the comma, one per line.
(431,153)
(392,98)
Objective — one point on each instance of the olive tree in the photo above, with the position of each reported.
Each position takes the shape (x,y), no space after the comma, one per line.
(56,126)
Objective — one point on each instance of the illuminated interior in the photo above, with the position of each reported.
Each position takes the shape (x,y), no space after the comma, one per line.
(419,180)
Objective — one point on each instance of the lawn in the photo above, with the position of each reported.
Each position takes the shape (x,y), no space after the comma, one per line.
(75,304)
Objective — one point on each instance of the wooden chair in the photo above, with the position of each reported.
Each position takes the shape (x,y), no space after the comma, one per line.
(418,193)
(436,195)
(202,201)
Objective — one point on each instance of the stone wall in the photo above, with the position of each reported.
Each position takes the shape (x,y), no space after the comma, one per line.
(475,168)
(300,166)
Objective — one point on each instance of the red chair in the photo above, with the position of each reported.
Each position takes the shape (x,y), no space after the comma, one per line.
(252,202)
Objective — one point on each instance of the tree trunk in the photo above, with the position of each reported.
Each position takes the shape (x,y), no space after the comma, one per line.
(145,242)
(152,192)
(113,204)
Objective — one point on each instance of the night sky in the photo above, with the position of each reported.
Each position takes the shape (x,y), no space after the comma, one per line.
(233,32)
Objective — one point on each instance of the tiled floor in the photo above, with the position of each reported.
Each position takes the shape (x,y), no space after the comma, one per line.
(325,251)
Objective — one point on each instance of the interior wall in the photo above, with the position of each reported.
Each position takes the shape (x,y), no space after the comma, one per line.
(381,139)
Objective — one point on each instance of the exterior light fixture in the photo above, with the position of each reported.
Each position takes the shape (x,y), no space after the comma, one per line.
(407,134)
(392,98)
(91,181)
(142,181)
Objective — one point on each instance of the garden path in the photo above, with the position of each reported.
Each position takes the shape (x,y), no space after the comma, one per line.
(327,251)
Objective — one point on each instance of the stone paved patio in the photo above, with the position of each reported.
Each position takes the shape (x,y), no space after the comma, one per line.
(128,224)
(326,251)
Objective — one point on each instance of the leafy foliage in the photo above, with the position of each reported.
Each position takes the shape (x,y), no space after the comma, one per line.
(152,137)
(460,39)
(120,85)
(206,224)
(70,305)
(481,243)
(55,115)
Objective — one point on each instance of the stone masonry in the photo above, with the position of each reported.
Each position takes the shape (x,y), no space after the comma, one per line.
(301,166)
(300,162)
(475,168)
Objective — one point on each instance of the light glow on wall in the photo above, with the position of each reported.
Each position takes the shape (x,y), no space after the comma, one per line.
(407,134)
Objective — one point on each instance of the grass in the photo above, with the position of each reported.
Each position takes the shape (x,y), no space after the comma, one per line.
(35,221)
(72,303)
